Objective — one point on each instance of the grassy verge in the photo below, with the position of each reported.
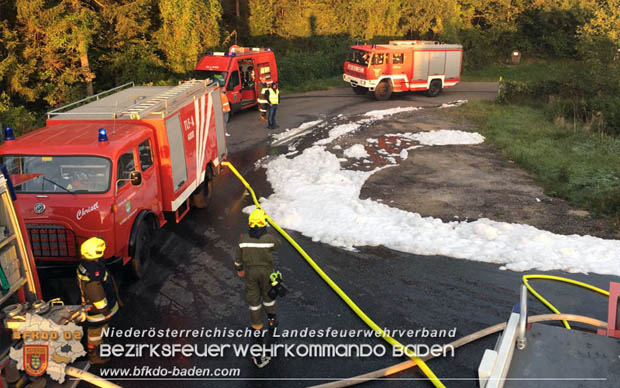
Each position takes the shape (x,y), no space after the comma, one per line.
(574,164)
(525,72)
(316,84)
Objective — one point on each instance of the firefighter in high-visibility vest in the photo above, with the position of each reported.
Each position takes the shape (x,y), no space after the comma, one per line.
(254,262)
(98,289)
(272,95)
(262,102)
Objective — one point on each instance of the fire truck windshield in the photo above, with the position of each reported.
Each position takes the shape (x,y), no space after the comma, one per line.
(219,76)
(58,174)
(359,56)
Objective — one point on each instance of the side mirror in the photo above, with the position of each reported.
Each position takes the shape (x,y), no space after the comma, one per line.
(136,178)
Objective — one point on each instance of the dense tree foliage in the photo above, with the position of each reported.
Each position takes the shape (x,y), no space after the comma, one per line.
(54,51)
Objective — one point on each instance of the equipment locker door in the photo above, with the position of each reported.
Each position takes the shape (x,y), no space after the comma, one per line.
(177,151)
(220,128)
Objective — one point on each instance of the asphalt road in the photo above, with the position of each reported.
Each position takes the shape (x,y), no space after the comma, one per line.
(192,283)
(247,130)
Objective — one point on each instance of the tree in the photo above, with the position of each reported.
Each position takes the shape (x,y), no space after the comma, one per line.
(188,28)
(48,50)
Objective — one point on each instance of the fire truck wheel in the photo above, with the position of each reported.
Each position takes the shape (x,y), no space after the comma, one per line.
(143,250)
(434,89)
(383,91)
(360,90)
(202,196)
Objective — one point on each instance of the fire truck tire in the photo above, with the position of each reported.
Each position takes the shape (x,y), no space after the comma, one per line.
(143,249)
(434,88)
(202,196)
(383,91)
(360,90)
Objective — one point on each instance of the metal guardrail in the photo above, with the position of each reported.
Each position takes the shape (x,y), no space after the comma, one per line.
(60,111)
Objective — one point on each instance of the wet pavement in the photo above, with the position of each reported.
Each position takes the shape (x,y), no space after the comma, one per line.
(192,285)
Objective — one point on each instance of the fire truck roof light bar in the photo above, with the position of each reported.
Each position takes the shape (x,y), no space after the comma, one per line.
(59,111)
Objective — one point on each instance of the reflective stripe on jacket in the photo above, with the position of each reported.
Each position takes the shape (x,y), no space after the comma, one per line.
(256,251)
(98,289)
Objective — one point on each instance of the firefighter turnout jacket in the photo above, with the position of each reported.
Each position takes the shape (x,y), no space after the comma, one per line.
(262,101)
(256,252)
(99,290)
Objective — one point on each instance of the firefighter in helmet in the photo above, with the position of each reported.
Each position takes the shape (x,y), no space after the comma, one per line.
(262,102)
(254,262)
(98,289)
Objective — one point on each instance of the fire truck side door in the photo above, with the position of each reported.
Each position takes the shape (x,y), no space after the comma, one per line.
(149,190)
(233,89)
(126,198)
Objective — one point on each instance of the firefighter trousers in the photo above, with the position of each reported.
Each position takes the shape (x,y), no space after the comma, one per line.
(95,336)
(257,284)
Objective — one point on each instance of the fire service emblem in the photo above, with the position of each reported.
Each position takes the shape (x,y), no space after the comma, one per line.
(35,359)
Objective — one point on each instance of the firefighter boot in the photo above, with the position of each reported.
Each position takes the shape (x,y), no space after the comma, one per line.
(94,358)
(262,360)
(272,322)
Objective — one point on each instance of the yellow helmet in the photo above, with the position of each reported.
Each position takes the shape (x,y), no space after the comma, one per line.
(258,218)
(93,248)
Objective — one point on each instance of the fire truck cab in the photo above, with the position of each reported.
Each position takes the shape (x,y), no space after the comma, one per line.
(118,167)
(403,65)
(241,72)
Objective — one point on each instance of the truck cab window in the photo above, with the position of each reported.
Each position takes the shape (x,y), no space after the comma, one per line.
(360,57)
(146,156)
(124,167)
(378,59)
(398,58)
(233,82)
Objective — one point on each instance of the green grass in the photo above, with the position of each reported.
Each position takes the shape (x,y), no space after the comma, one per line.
(317,84)
(525,72)
(574,164)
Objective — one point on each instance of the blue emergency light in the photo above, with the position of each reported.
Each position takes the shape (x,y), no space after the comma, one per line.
(374,45)
(209,53)
(8,134)
(103,134)
(357,42)
(230,54)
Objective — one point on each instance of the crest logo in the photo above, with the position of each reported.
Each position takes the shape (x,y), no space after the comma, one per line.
(39,207)
(36,359)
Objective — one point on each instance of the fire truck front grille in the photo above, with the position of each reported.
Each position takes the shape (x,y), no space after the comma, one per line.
(49,241)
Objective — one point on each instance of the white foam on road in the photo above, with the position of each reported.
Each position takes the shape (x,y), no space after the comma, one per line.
(452,104)
(356,151)
(341,130)
(290,134)
(379,114)
(315,196)
(444,137)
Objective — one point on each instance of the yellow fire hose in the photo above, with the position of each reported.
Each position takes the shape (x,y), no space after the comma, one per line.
(418,361)
(551,307)
(89,378)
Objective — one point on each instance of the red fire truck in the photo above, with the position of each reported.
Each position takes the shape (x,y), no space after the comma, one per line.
(241,71)
(117,165)
(403,65)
